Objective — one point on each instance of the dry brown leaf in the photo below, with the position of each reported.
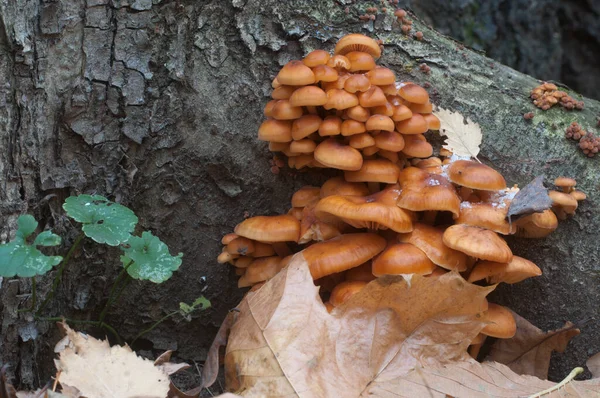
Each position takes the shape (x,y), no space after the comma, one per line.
(389,340)
(461,139)
(101,371)
(210,370)
(593,364)
(529,351)
(285,343)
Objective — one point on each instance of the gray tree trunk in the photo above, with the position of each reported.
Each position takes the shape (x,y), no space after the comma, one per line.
(156,104)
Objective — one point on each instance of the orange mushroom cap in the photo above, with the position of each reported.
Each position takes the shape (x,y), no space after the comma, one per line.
(295,73)
(342,253)
(380,122)
(486,215)
(358,113)
(357,83)
(381,76)
(283,110)
(305,195)
(339,62)
(351,127)
(374,96)
(340,99)
(275,130)
(344,290)
(475,175)
(305,126)
(415,125)
(362,140)
(413,93)
(338,156)
(536,225)
(308,96)
(324,73)
(416,146)
(401,112)
(517,270)
(283,92)
(242,246)
(424,109)
(377,170)
(389,141)
(421,191)
(501,322)
(282,228)
(315,58)
(402,259)
(477,242)
(339,186)
(433,123)
(362,273)
(377,211)
(430,240)
(261,269)
(331,125)
(357,42)
(360,61)
(386,110)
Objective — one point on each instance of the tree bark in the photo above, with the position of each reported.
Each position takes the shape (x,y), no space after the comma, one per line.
(156,104)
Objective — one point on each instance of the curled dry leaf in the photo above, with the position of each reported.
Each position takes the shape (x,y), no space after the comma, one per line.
(285,342)
(463,136)
(389,340)
(98,370)
(593,365)
(529,351)
(533,198)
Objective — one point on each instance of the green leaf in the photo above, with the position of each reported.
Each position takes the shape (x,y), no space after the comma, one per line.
(200,303)
(21,259)
(103,221)
(26,225)
(151,258)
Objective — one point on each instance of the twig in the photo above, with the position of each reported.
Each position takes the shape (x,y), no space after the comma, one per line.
(111,297)
(154,325)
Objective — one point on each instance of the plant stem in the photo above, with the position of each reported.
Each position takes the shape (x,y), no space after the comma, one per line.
(154,325)
(33,297)
(58,276)
(82,321)
(111,297)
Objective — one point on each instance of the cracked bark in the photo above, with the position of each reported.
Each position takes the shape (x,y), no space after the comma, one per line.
(157,104)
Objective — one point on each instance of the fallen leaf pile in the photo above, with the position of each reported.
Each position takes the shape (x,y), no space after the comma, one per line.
(388,340)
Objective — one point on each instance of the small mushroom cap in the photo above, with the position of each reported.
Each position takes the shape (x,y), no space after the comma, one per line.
(433,123)
(331,125)
(370,151)
(430,240)
(380,122)
(486,215)
(283,92)
(228,238)
(564,201)
(416,146)
(295,73)
(358,113)
(360,141)
(339,62)
(362,273)
(373,212)
(342,253)
(315,58)
(413,93)
(374,96)
(357,83)
(386,110)
(401,112)
(478,242)
(377,170)
(402,259)
(275,130)
(578,195)
(501,322)
(381,76)
(261,269)
(283,110)
(338,156)
(357,42)
(565,182)
(475,175)
(243,262)
(360,61)
(242,246)
(344,290)
(536,225)
(415,125)
(304,146)
(262,249)
(308,96)
(425,108)
(305,126)
(351,127)
(340,99)
(282,228)
(268,111)
(305,195)
(517,270)
(389,141)
(324,73)
(422,191)
(339,186)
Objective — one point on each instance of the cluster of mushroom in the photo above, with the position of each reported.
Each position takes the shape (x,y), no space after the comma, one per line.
(434,215)
(343,111)
(546,95)
(589,143)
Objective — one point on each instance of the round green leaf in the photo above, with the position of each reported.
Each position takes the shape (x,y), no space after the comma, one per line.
(47,238)
(103,221)
(27,225)
(151,258)
(19,258)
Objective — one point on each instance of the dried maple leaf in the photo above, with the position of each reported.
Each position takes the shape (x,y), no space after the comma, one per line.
(389,340)
(529,351)
(98,370)
(462,139)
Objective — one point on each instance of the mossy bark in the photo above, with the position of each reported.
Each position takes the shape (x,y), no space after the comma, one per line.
(157,104)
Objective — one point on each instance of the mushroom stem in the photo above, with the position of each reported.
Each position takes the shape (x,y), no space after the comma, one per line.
(429,217)
(373,187)
(281,248)
(474,350)
(312,110)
